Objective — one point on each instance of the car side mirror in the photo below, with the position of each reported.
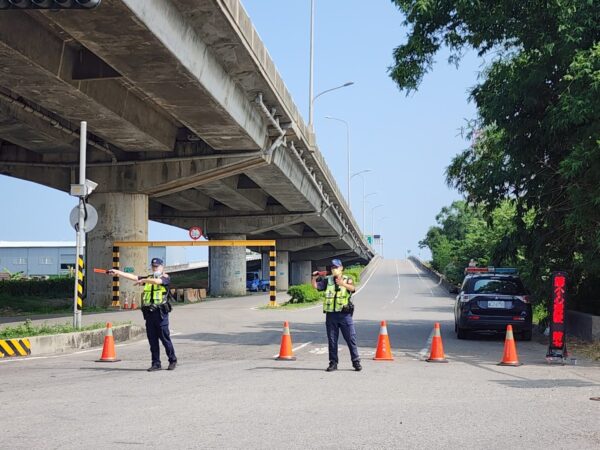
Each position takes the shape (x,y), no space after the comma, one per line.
(453,290)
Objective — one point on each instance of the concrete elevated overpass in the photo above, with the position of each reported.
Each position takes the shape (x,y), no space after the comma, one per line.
(190,125)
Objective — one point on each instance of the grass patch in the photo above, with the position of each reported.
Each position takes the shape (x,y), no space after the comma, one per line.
(11,306)
(588,350)
(27,329)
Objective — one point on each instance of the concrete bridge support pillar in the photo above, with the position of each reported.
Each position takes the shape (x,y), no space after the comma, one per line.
(301,271)
(282,275)
(227,267)
(121,217)
(265,266)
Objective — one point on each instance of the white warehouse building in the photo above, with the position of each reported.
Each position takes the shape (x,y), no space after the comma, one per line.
(58,257)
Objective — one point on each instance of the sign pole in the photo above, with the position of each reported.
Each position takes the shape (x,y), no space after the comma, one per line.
(79,280)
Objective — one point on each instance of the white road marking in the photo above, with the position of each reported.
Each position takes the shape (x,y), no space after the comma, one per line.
(362,286)
(95,349)
(398,279)
(423,352)
(325,350)
(300,347)
(419,275)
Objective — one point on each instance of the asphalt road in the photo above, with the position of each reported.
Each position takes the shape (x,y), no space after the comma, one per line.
(229,392)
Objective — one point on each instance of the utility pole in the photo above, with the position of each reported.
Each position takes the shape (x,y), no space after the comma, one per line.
(83,218)
(78,297)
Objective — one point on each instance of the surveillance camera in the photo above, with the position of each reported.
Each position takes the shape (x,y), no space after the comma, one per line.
(90,186)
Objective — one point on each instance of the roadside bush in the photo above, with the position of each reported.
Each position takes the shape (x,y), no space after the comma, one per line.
(354,273)
(54,288)
(304,293)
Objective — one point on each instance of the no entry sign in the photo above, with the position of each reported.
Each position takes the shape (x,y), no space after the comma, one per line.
(558,345)
(195,233)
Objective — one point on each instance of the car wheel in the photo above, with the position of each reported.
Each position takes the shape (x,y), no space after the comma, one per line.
(461,333)
(526,335)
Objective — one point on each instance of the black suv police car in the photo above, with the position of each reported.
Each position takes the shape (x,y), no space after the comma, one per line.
(489,300)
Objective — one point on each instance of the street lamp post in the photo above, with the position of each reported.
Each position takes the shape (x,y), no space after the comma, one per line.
(347,151)
(365,197)
(312,60)
(381,234)
(311,99)
(363,193)
(373,216)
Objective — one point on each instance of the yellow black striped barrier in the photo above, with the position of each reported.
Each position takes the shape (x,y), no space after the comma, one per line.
(115,281)
(14,347)
(79,283)
(272,276)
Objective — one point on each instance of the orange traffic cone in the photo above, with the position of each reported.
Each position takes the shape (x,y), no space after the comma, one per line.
(510,357)
(285,351)
(126,304)
(108,351)
(437,348)
(133,303)
(384,350)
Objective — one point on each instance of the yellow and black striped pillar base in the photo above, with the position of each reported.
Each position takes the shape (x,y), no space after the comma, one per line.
(79,282)
(14,347)
(272,277)
(116,302)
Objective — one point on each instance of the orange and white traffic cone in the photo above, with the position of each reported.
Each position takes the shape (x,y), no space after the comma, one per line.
(437,347)
(285,351)
(133,303)
(126,304)
(108,351)
(384,349)
(510,357)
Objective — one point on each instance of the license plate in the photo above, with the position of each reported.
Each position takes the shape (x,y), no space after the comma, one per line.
(496,304)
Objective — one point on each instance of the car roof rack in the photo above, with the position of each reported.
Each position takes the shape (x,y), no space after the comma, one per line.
(492,270)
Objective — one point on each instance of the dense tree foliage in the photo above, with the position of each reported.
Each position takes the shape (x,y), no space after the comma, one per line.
(536,141)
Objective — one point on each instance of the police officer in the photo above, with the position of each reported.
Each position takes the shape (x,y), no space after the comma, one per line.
(156,311)
(338,309)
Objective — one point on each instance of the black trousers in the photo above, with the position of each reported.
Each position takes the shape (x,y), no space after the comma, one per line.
(157,329)
(336,321)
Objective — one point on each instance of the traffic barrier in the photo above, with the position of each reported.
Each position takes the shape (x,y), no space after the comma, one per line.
(285,350)
(14,347)
(437,347)
(384,349)
(510,357)
(108,350)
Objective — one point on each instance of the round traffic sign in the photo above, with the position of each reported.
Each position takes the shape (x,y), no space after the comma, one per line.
(91,221)
(195,233)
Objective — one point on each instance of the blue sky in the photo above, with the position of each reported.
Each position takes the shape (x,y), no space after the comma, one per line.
(407,142)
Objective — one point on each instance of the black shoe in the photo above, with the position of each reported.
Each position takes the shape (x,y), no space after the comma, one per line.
(357,366)
(154,368)
(332,367)
(172,365)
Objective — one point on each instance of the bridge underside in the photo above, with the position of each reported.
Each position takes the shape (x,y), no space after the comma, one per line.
(176,135)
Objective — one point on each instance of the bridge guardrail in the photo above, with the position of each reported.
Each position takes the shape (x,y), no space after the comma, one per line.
(241,20)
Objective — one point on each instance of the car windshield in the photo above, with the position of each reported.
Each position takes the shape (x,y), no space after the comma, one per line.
(496,286)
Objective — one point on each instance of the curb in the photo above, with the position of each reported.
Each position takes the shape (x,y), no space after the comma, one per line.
(437,277)
(61,343)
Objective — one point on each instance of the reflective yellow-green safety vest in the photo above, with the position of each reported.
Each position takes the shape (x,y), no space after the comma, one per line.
(333,302)
(154,294)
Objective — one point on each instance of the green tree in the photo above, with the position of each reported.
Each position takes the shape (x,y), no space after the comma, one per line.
(537,135)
